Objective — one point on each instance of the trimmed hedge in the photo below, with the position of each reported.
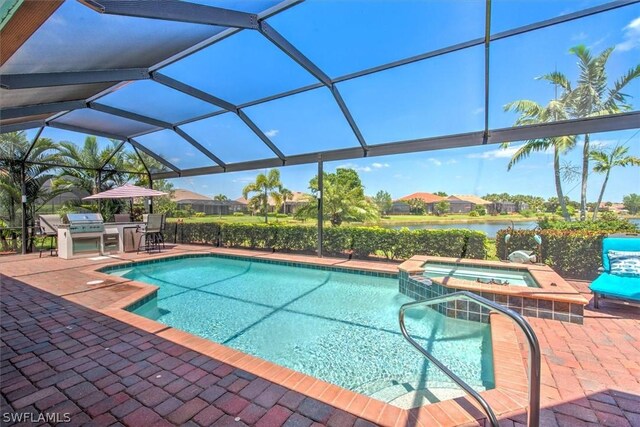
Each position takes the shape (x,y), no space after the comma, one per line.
(571,253)
(360,242)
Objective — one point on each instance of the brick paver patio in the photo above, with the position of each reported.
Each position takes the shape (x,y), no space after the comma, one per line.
(59,356)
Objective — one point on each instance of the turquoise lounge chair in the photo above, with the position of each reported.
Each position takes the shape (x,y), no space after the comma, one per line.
(610,284)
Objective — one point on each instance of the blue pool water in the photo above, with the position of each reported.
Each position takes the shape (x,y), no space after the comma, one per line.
(337,326)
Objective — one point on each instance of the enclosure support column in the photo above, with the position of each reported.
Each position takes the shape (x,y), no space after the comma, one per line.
(23,197)
(99,189)
(150,198)
(320,210)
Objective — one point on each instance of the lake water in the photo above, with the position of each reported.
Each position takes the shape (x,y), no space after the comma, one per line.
(491,228)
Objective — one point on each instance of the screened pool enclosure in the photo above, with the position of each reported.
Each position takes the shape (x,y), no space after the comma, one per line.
(218,86)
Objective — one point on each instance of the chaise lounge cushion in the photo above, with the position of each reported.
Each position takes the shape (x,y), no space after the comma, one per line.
(617,286)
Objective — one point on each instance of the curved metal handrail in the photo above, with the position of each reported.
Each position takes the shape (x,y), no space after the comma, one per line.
(534,352)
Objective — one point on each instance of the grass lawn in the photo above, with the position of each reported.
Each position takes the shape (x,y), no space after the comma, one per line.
(390,220)
(457,218)
(232,219)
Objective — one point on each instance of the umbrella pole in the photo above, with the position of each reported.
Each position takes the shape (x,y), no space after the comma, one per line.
(131,208)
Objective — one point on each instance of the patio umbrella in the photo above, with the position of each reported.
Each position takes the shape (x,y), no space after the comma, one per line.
(126,191)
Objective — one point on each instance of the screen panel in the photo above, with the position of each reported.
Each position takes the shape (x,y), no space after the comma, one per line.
(77,38)
(172,147)
(433,97)
(72,148)
(304,123)
(103,122)
(152,99)
(347,36)
(229,138)
(240,68)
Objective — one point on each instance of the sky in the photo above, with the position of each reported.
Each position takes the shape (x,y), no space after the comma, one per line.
(434,97)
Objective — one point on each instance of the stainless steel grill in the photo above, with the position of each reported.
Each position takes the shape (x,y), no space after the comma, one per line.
(83,223)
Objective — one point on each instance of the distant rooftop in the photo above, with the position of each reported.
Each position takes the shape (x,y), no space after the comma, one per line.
(425,197)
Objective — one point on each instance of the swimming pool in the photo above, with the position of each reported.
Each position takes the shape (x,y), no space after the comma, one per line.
(337,326)
(488,275)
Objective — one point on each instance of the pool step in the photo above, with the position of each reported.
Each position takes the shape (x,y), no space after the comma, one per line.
(406,396)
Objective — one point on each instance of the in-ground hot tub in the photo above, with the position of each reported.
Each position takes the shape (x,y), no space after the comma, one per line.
(480,274)
(533,290)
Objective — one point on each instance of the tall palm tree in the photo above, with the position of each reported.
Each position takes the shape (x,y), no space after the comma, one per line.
(221,198)
(593,97)
(607,160)
(263,187)
(533,113)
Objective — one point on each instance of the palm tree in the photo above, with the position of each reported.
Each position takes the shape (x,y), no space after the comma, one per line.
(221,198)
(85,170)
(263,187)
(605,161)
(533,113)
(592,97)
(286,194)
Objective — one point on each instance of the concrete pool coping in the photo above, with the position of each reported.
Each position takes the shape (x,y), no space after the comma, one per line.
(552,286)
(508,397)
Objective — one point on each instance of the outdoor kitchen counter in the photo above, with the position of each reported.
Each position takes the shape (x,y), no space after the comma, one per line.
(128,236)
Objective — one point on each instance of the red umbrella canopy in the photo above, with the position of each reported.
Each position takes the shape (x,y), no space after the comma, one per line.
(126,191)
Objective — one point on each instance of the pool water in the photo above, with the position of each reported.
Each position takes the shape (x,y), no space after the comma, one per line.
(336,326)
(497,276)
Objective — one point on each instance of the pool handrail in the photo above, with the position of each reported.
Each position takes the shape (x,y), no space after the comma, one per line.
(533,416)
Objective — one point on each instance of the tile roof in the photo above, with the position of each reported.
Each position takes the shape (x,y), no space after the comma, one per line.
(469,198)
(425,197)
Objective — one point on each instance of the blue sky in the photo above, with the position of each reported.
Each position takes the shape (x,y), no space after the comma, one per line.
(434,97)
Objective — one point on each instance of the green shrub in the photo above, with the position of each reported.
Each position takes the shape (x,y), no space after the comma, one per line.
(238,214)
(360,242)
(200,214)
(281,215)
(571,253)
(474,213)
(527,213)
(504,213)
(608,222)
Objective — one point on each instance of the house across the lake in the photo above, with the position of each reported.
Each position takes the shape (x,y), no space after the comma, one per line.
(205,204)
(401,205)
(465,203)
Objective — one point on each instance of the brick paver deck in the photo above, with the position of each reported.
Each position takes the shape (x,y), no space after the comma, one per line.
(60,356)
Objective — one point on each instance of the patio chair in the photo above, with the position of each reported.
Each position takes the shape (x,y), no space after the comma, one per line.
(152,233)
(48,229)
(620,272)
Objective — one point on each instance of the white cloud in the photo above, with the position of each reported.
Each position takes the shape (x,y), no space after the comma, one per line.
(499,153)
(272,132)
(380,165)
(579,36)
(631,36)
(366,168)
(174,159)
(478,111)
(451,162)
(204,186)
(244,179)
(435,162)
